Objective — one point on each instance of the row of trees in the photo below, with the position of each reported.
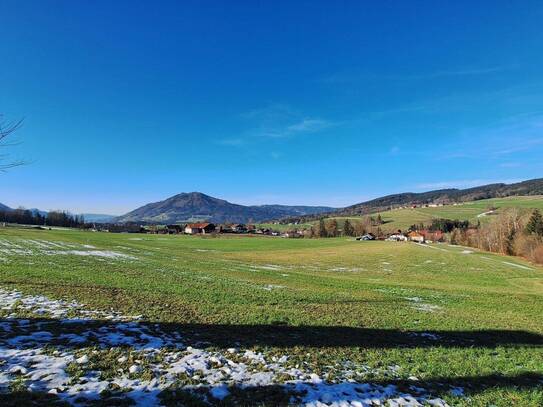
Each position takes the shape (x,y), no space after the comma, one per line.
(53,218)
(511,232)
(443,225)
(331,228)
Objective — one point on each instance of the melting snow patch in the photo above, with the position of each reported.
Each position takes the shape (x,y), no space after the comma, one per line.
(419,305)
(269,267)
(517,265)
(270,287)
(427,307)
(31,247)
(43,352)
(97,253)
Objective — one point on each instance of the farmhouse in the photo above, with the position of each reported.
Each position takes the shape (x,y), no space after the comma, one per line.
(292,234)
(238,228)
(415,236)
(432,235)
(197,228)
(397,237)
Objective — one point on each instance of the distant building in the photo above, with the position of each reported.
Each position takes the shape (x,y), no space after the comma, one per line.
(397,237)
(199,228)
(239,228)
(415,236)
(367,236)
(432,235)
(292,234)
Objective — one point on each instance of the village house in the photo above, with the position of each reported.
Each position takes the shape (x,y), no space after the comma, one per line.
(432,235)
(239,228)
(292,234)
(415,236)
(199,228)
(397,237)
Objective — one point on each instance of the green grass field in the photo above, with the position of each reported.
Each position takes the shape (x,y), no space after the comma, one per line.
(449,316)
(403,218)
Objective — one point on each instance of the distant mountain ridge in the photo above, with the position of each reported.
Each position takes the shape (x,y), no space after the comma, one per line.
(4,207)
(198,206)
(441,196)
(447,196)
(97,217)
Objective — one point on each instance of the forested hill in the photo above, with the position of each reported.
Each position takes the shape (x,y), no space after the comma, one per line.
(445,196)
(197,206)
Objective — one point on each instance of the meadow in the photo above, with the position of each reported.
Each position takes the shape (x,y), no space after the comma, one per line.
(270,321)
(403,218)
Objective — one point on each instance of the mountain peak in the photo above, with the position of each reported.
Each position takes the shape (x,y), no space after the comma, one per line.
(190,206)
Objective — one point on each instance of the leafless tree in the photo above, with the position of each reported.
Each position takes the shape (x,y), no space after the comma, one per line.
(6,130)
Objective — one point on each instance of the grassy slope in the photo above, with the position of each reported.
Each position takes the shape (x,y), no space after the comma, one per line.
(403,218)
(331,283)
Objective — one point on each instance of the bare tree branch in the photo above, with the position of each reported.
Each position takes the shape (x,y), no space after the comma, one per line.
(6,130)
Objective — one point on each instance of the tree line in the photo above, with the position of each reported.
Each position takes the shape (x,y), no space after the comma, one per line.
(331,228)
(53,218)
(512,232)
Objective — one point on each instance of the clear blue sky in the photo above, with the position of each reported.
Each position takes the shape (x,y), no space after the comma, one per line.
(267,102)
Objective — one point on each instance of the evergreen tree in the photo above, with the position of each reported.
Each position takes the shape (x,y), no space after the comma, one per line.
(348,229)
(535,224)
(321,232)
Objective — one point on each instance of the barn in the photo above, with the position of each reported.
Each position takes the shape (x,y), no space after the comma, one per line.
(199,228)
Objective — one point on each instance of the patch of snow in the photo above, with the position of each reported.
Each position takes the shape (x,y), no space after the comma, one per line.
(37,350)
(427,307)
(94,253)
(517,265)
(270,287)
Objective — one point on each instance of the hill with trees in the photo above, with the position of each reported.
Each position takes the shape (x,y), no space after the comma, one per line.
(442,196)
(198,206)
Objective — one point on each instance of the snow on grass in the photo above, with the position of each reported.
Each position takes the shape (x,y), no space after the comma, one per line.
(427,307)
(419,305)
(349,269)
(270,287)
(272,267)
(82,355)
(95,253)
(36,247)
(517,265)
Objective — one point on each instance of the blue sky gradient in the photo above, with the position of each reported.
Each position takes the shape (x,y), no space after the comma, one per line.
(311,102)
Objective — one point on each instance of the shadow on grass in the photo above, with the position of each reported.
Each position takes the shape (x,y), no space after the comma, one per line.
(33,333)
(341,336)
(289,394)
(62,332)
